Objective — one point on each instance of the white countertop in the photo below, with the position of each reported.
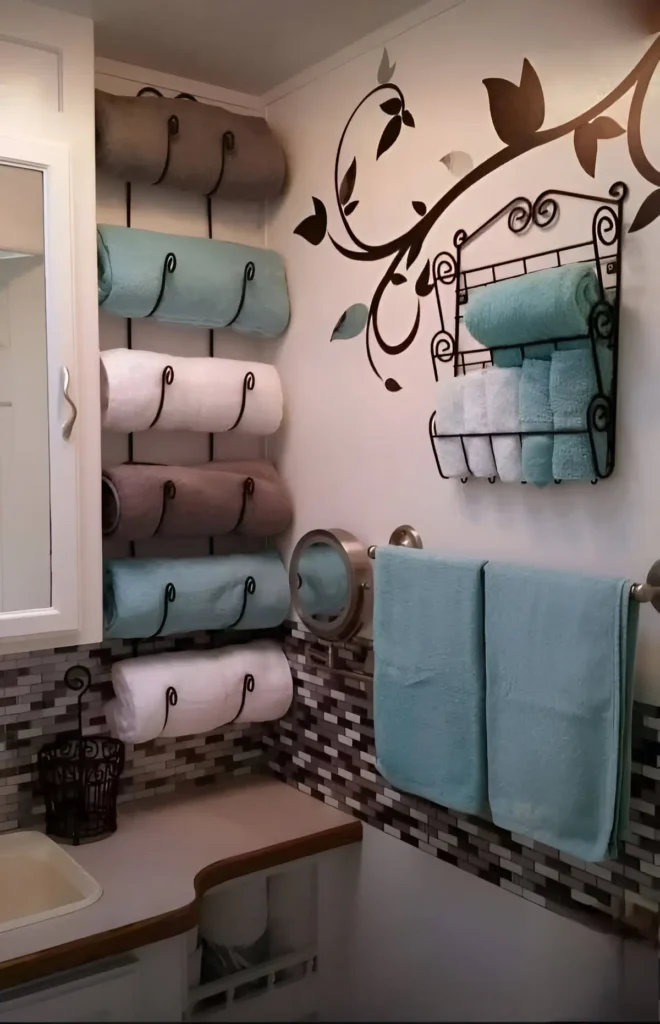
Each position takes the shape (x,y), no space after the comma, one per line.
(149,868)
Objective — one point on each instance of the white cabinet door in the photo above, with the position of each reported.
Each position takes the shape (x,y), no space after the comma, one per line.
(108,994)
(50,523)
(38,478)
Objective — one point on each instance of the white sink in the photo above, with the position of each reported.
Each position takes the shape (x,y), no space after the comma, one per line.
(38,880)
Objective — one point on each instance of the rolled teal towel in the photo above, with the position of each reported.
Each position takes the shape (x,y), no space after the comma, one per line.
(560,652)
(536,414)
(429,686)
(210,594)
(573,384)
(545,304)
(324,588)
(203,289)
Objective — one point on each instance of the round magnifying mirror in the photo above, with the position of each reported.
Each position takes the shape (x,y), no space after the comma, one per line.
(330,578)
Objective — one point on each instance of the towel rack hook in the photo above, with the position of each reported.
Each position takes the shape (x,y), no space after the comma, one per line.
(169,597)
(169,493)
(249,382)
(166,378)
(247,492)
(249,270)
(171,701)
(169,266)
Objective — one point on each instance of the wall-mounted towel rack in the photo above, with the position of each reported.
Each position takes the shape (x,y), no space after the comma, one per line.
(454,281)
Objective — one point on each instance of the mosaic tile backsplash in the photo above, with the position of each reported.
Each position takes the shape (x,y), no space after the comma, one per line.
(35,706)
(325,747)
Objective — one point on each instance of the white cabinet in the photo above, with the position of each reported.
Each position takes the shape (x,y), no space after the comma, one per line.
(50,534)
(108,993)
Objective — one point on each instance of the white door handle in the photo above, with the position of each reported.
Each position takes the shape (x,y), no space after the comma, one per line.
(73,416)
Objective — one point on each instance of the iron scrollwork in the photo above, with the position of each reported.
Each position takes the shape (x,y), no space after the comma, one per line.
(166,378)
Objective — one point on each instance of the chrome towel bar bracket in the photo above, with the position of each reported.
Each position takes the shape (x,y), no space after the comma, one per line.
(649,591)
(402,537)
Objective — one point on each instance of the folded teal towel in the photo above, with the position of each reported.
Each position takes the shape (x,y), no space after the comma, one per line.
(545,304)
(209,594)
(559,659)
(324,587)
(573,384)
(536,414)
(204,289)
(429,686)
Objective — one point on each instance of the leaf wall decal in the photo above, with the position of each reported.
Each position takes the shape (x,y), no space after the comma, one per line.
(389,136)
(585,140)
(313,228)
(419,207)
(385,70)
(408,119)
(392,106)
(517,111)
(648,211)
(348,209)
(647,14)
(457,163)
(606,127)
(352,322)
(398,279)
(348,183)
(586,148)
(423,285)
(392,385)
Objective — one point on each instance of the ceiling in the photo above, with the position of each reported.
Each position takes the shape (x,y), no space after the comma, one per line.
(248,45)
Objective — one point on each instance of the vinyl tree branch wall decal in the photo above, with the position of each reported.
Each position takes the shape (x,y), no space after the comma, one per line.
(518,115)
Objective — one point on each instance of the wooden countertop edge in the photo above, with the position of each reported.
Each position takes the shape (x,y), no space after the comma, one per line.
(141,933)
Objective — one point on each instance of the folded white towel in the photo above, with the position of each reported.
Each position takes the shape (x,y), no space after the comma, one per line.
(205,394)
(209,687)
(502,406)
(449,419)
(235,915)
(478,449)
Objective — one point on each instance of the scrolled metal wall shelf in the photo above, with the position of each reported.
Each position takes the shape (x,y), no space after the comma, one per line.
(603,248)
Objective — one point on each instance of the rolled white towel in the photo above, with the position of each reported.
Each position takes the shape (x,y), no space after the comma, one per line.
(235,915)
(204,394)
(478,449)
(211,688)
(449,419)
(502,405)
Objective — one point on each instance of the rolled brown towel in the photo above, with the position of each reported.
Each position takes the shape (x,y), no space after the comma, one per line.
(191,146)
(246,497)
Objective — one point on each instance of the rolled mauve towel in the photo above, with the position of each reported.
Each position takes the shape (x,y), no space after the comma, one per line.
(246,497)
(132,143)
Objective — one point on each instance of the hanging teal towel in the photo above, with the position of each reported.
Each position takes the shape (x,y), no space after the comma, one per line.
(204,286)
(545,304)
(535,415)
(429,686)
(573,384)
(559,662)
(210,593)
(324,582)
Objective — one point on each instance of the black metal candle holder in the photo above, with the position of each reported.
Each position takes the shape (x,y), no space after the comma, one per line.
(603,249)
(79,776)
